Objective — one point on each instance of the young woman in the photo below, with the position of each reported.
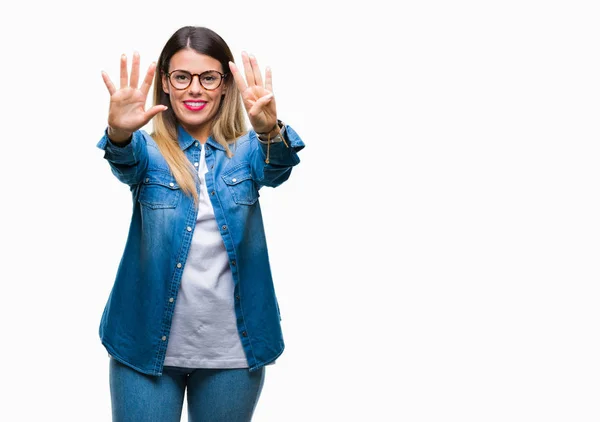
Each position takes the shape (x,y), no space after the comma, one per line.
(193,306)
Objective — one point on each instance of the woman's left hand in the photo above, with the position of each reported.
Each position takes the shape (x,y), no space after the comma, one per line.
(258,98)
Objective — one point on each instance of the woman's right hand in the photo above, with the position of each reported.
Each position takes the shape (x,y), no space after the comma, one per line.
(127,111)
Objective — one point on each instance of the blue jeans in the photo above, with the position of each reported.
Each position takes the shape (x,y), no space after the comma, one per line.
(213,395)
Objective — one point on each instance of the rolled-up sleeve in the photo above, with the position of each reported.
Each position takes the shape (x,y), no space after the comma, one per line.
(282,157)
(129,162)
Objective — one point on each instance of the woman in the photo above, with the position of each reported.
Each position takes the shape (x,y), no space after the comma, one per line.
(193,304)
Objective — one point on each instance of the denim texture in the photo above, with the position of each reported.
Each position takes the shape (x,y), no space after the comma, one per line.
(136,321)
(215,395)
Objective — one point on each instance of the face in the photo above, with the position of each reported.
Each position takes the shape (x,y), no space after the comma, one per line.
(195,106)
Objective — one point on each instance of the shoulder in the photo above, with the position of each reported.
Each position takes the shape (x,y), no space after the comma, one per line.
(242,145)
(156,161)
(149,140)
(242,142)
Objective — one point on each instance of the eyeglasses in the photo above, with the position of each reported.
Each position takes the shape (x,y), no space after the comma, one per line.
(210,80)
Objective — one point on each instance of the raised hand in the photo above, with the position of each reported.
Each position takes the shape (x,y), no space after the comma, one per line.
(127,112)
(258,98)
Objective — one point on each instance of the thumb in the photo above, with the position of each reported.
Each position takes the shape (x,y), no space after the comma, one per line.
(263,101)
(154,111)
(260,104)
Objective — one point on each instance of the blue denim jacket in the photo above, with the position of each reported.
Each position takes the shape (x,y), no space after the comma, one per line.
(136,321)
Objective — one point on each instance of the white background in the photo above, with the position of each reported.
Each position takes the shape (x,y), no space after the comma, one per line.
(435,254)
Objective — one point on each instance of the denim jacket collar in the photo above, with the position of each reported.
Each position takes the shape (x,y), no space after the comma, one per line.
(186,140)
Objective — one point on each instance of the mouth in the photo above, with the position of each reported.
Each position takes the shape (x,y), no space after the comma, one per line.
(194,105)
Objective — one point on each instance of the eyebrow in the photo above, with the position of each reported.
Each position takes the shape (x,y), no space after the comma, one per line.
(195,73)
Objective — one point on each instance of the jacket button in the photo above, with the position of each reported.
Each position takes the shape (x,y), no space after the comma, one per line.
(245,334)
(233,262)
(224,227)
(189,228)
(212,193)
(164,338)
(171,300)
(237,297)
(179,265)
(171,184)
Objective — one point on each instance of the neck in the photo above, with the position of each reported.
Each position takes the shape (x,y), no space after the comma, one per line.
(200,134)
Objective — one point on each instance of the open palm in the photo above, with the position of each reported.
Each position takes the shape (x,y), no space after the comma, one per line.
(257,97)
(127,112)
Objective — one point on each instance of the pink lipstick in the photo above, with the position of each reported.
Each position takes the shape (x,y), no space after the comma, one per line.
(194,105)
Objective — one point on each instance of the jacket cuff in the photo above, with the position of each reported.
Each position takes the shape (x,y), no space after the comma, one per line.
(128,154)
(282,153)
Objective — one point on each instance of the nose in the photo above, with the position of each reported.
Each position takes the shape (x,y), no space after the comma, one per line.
(195,85)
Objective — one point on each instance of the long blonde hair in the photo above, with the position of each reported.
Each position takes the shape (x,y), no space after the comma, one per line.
(229,123)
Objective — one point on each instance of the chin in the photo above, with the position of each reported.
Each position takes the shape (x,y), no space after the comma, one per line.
(195,122)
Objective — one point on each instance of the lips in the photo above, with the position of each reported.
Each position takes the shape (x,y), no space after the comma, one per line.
(194,105)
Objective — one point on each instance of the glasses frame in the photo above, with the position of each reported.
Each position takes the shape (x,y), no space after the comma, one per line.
(223,76)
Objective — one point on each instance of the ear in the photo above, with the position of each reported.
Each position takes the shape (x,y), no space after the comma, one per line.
(165,84)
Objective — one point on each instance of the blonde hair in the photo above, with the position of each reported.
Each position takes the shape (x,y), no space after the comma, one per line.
(228,124)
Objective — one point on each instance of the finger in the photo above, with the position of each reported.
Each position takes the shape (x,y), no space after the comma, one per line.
(150,113)
(135,70)
(260,104)
(148,79)
(248,69)
(123,71)
(269,79)
(239,80)
(256,70)
(109,85)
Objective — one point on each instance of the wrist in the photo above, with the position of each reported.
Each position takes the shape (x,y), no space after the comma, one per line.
(266,132)
(118,136)
(273,133)
(278,138)
(272,139)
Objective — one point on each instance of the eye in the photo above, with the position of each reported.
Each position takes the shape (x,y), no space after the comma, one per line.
(181,77)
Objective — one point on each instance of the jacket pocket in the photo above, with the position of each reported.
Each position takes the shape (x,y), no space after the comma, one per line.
(240,184)
(159,190)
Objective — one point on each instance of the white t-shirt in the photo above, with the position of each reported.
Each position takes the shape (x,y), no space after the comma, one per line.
(204,333)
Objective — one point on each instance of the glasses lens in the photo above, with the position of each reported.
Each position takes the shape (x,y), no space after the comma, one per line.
(210,79)
(181,79)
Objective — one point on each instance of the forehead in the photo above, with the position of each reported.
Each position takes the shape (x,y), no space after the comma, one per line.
(193,61)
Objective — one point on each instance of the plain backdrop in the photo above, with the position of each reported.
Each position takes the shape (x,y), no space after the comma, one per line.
(435,253)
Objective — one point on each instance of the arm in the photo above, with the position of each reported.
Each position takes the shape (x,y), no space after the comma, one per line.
(128,160)
(274,152)
(124,144)
(282,157)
